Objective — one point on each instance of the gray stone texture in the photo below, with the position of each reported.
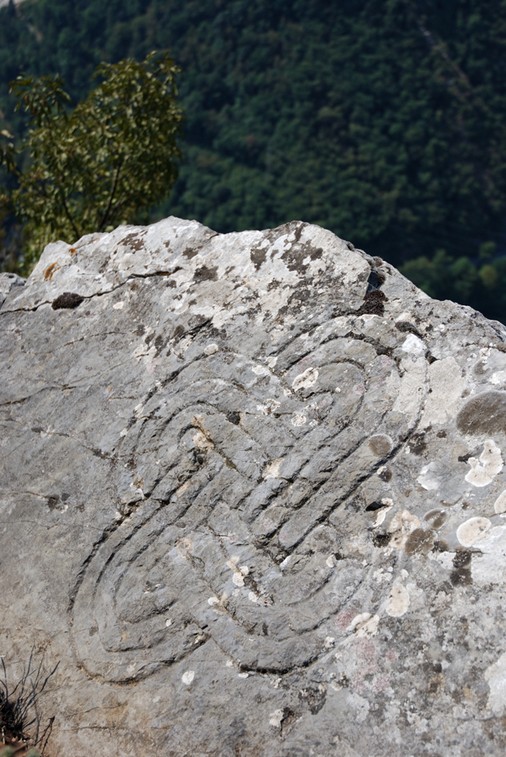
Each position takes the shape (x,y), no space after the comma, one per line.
(253,498)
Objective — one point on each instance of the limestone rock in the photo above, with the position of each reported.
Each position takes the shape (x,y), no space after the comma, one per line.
(253,498)
(7,282)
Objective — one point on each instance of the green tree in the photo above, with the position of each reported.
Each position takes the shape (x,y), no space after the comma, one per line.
(434,275)
(489,276)
(92,166)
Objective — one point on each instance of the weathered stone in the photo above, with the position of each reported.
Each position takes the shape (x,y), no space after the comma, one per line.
(7,282)
(253,499)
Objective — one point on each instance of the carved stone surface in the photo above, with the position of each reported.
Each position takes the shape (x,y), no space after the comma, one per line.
(253,498)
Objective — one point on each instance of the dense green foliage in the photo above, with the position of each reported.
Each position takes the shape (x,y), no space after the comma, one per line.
(94,166)
(382,120)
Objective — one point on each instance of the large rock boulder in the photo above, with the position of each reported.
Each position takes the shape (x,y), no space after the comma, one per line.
(253,499)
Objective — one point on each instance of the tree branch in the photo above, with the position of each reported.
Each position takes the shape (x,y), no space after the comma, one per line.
(105,217)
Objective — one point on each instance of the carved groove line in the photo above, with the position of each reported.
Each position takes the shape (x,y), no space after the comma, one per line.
(214,550)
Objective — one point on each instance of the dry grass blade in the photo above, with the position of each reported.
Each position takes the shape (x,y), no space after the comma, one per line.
(20,721)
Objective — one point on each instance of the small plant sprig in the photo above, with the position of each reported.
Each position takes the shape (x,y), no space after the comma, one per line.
(19,713)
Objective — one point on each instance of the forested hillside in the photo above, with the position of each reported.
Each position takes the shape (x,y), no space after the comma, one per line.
(383,120)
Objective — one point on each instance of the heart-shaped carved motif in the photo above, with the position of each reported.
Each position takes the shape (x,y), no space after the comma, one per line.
(234,473)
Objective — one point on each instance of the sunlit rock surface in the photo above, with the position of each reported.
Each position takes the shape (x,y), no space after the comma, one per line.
(253,498)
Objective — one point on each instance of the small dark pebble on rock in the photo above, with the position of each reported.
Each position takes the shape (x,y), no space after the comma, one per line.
(67,300)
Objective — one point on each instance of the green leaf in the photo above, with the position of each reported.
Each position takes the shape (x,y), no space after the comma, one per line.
(98,164)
